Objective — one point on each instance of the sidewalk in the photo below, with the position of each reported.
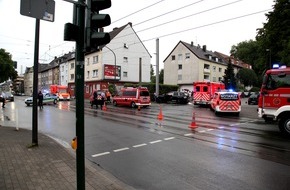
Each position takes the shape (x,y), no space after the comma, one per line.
(47,166)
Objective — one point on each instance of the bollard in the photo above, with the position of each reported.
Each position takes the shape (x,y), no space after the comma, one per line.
(193,123)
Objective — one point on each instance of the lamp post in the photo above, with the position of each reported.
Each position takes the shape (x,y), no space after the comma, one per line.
(270,61)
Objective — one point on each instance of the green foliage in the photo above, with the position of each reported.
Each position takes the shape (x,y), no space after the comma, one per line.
(247,77)
(7,70)
(229,77)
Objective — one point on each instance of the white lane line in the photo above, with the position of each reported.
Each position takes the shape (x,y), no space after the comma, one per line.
(169,138)
(210,129)
(201,131)
(101,154)
(139,145)
(153,142)
(121,149)
(188,134)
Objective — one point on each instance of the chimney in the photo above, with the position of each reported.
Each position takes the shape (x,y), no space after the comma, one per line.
(191,44)
(101,29)
(204,48)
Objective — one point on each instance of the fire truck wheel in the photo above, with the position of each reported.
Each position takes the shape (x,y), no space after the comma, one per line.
(133,104)
(114,103)
(284,125)
(216,113)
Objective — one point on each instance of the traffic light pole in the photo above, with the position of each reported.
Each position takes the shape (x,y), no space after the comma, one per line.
(79,81)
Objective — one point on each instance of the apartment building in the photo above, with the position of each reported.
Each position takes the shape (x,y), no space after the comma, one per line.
(188,63)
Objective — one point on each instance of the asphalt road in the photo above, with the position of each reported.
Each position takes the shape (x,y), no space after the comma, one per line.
(225,152)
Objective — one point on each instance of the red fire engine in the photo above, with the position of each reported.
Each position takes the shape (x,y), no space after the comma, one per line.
(203,91)
(274,100)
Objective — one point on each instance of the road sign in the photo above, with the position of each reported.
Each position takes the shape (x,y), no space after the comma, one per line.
(40,9)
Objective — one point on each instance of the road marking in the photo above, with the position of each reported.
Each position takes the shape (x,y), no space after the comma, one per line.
(153,142)
(101,154)
(139,145)
(169,138)
(210,129)
(121,149)
(201,131)
(188,134)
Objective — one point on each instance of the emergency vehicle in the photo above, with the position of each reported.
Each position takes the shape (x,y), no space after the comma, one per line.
(60,91)
(133,97)
(226,102)
(203,92)
(274,100)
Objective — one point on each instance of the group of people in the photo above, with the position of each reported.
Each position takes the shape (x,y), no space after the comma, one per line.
(100,98)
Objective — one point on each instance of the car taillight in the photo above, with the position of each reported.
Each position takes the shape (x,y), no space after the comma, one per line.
(217,103)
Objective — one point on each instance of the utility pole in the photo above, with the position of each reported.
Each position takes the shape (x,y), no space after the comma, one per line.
(157,68)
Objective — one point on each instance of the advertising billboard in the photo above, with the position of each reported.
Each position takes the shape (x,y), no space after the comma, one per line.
(112,72)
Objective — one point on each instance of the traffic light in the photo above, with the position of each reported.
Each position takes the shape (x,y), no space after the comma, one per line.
(95,22)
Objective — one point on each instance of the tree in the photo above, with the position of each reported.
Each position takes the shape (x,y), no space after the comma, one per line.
(7,70)
(229,77)
(161,76)
(247,77)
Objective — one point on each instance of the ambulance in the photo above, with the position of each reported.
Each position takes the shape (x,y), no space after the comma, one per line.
(203,91)
(132,97)
(274,99)
(226,102)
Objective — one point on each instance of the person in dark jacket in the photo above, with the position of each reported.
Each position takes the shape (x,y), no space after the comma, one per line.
(40,99)
(2,99)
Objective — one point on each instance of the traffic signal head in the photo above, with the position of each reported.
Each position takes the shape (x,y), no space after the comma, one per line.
(94,35)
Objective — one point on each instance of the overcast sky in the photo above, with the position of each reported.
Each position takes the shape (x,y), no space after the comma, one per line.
(218,24)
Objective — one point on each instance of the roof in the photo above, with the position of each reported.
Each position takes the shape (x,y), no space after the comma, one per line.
(234,61)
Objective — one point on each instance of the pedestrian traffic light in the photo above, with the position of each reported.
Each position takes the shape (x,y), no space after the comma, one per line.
(95,22)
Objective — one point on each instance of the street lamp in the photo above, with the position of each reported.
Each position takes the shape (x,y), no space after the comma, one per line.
(270,61)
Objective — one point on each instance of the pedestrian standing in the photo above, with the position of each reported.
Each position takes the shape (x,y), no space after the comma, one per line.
(2,98)
(103,97)
(108,96)
(40,99)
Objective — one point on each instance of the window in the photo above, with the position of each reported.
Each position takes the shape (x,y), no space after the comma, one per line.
(187,55)
(220,69)
(95,73)
(125,59)
(179,57)
(206,66)
(179,67)
(88,61)
(62,68)
(214,68)
(72,65)
(206,77)
(173,57)
(179,77)
(214,79)
(72,76)
(125,74)
(88,74)
(95,59)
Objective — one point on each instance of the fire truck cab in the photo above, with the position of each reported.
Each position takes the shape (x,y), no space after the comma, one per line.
(133,97)
(203,92)
(274,101)
(226,102)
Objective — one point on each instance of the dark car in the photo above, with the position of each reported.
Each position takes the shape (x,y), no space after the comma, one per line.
(174,97)
(253,99)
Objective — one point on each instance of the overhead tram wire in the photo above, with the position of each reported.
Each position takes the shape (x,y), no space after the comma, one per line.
(210,24)
(137,11)
(170,12)
(181,17)
(202,26)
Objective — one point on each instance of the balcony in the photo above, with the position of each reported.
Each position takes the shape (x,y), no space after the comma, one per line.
(205,70)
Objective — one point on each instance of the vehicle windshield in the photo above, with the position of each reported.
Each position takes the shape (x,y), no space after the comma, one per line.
(144,93)
(277,81)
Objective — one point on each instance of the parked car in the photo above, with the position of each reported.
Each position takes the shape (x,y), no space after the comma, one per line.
(48,98)
(174,97)
(253,99)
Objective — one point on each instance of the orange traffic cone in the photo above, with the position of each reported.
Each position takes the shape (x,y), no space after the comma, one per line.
(160,115)
(193,124)
(104,107)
